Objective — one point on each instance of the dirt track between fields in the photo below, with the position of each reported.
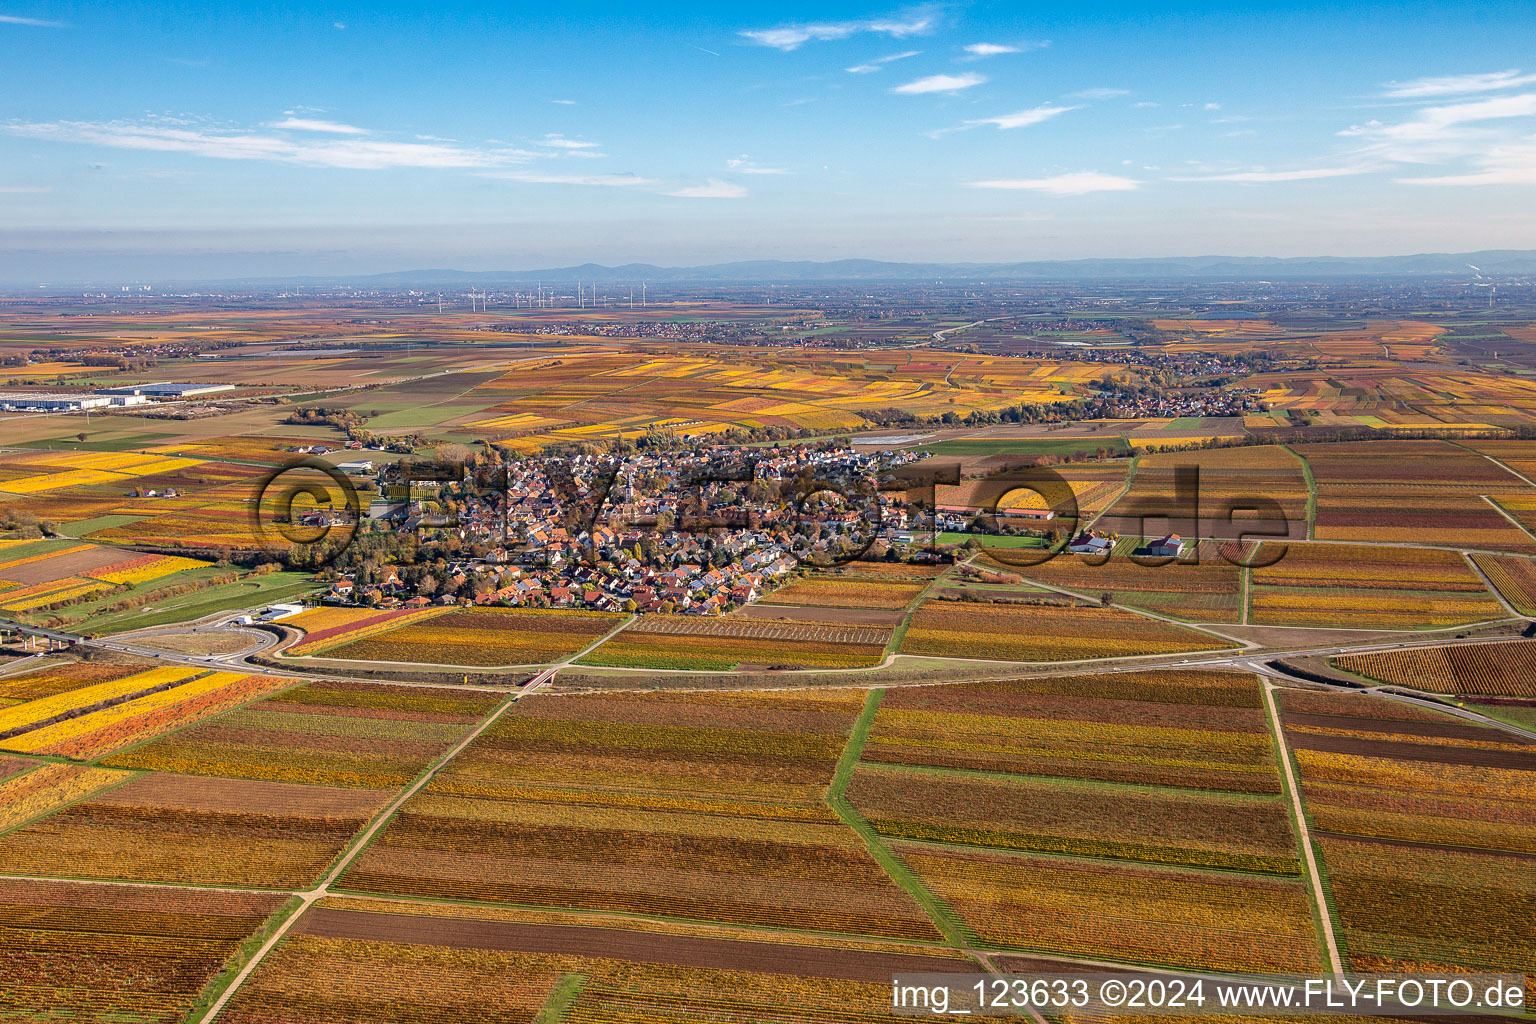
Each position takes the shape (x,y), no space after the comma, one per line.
(612,943)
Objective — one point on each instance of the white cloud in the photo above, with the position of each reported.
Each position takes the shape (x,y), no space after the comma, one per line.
(879,62)
(744,165)
(1513,164)
(554,141)
(792,37)
(1099,93)
(24,190)
(564,103)
(940,83)
(592,180)
(1024,118)
(713,189)
(339,25)
(1259,177)
(1436,134)
(1078,183)
(305,124)
(989,49)
(1213,106)
(11,19)
(1452,85)
(232,144)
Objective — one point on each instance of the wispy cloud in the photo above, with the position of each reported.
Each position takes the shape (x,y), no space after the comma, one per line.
(306,124)
(940,83)
(1513,164)
(1023,118)
(1455,85)
(24,190)
(235,144)
(989,49)
(554,141)
(1262,177)
(745,165)
(11,19)
(1100,93)
(564,103)
(589,180)
(880,62)
(792,37)
(1078,183)
(1442,132)
(712,189)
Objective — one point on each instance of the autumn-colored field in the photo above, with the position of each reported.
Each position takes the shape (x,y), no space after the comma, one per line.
(696,642)
(175,828)
(97,733)
(1008,632)
(1366,587)
(1102,909)
(855,592)
(481,637)
(1500,669)
(781,746)
(1515,579)
(695,806)
(1204,730)
(1426,492)
(94,953)
(1055,816)
(1202,587)
(1368,771)
(331,734)
(1411,908)
(450,971)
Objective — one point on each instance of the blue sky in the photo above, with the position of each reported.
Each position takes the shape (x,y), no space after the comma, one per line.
(170,138)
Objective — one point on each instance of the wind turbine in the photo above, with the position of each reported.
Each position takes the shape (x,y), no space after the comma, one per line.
(1483,282)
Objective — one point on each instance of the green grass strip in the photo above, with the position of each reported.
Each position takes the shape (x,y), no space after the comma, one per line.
(949,924)
(561,998)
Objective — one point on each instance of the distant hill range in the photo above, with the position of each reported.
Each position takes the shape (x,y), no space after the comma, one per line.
(1490,263)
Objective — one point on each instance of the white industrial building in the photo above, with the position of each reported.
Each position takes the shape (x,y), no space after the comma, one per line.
(54,401)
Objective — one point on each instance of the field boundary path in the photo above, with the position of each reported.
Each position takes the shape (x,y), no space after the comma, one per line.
(945,920)
(1303,835)
(347,856)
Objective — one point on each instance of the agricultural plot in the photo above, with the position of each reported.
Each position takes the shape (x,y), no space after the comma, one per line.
(157,710)
(1140,914)
(345,734)
(1200,730)
(37,789)
(1220,492)
(1515,579)
(1370,771)
(1425,492)
(696,642)
(482,637)
(697,806)
(1370,588)
(324,628)
(1410,908)
(1008,632)
(478,964)
(89,952)
(1200,587)
(58,675)
(846,591)
(175,828)
(1495,670)
(1054,816)
(1093,485)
